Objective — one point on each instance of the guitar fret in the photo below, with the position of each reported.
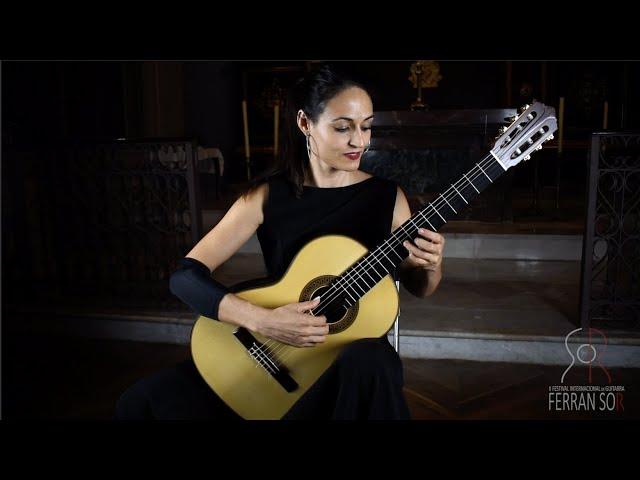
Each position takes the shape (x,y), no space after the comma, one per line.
(436,210)
(365,282)
(454,210)
(358,266)
(432,227)
(391,249)
(396,253)
(373,254)
(366,269)
(485,173)
(474,187)
(354,281)
(385,256)
(344,287)
(464,199)
(383,265)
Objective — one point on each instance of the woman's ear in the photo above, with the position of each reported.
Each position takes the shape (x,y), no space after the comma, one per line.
(303,122)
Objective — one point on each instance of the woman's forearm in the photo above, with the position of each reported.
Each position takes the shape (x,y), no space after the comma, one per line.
(419,281)
(193,284)
(237,311)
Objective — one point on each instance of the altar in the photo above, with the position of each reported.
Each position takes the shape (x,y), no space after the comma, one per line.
(425,151)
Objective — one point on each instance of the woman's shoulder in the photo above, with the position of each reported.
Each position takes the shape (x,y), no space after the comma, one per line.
(268,182)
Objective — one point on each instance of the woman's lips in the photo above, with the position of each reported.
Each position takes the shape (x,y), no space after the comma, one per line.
(352,156)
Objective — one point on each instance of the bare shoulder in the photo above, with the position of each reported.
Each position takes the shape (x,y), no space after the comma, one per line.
(255,200)
(401,210)
(233,230)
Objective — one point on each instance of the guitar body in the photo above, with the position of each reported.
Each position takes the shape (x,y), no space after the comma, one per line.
(228,368)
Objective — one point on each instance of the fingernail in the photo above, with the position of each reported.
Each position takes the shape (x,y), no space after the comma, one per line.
(316,299)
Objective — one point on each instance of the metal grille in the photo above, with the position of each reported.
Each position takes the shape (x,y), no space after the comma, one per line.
(610,287)
(100,222)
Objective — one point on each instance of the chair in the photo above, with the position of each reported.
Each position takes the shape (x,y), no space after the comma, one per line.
(418,397)
(396,325)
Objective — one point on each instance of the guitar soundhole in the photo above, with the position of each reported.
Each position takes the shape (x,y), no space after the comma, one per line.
(332,305)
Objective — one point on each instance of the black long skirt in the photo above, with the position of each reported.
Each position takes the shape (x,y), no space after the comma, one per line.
(364,382)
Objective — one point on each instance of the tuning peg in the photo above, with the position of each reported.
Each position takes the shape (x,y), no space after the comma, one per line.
(501,131)
(539,147)
(549,139)
(527,157)
(524,108)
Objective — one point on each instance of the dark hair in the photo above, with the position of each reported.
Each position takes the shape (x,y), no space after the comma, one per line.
(310,94)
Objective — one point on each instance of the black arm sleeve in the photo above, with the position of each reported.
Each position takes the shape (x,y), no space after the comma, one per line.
(192,283)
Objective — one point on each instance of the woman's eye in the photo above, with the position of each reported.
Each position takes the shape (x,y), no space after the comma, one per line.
(345,129)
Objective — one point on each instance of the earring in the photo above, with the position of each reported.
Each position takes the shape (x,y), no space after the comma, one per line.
(308,146)
(366,149)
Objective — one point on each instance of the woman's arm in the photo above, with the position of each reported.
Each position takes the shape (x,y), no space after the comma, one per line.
(421,271)
(194,285)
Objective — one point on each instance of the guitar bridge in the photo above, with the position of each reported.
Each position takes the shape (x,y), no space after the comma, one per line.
(261,356)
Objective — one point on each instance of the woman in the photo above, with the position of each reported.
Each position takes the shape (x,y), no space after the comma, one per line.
(317,189)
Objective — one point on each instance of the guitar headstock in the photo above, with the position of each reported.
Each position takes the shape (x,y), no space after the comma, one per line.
(532,127)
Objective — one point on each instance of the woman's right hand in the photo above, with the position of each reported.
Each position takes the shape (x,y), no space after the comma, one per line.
(289,324)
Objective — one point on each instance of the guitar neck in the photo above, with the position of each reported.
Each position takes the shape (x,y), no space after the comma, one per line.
(363,275)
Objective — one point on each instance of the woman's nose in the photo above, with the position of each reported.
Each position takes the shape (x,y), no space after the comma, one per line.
(357,140)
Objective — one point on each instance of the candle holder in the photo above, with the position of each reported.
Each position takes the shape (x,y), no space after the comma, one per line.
(424,74)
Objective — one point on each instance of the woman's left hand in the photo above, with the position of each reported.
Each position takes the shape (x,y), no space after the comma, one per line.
(427,251)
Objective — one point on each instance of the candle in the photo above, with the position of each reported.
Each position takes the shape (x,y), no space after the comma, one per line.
(605,116)
(276,110)
(560,124)
(246,128)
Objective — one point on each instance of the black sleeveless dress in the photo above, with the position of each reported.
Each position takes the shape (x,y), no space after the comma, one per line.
(362,211)
(365,381)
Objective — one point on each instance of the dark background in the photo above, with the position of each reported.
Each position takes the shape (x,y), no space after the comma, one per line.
(47,101)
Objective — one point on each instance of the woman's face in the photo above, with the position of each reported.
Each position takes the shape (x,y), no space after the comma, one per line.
(343,131)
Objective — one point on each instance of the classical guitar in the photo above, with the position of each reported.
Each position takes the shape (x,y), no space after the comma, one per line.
(260,378)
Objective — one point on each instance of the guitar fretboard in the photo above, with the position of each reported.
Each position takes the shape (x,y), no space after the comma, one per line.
(364,274)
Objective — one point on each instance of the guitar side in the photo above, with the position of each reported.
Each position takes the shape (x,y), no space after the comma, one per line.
(240,381)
